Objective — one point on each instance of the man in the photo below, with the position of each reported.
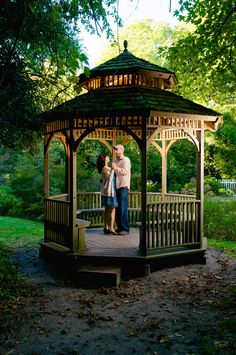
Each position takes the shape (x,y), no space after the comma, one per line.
(122,168)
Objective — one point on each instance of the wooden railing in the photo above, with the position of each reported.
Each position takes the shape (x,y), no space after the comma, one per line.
(89,205)
(171,224)
(56,221)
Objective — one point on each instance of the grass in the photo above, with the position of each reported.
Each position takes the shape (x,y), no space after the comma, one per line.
(226,246)
(20,232)
(15,233)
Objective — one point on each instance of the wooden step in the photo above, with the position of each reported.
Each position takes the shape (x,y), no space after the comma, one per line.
(95,275)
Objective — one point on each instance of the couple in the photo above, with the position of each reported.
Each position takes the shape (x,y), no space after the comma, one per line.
(115,185)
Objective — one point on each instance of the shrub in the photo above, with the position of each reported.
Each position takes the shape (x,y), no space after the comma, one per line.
(9,204)
(152,186)
(220,219)
(211,184)
(11,284)
(227,192)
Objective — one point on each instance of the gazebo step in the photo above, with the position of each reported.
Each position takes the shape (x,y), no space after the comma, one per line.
(54,247)
(95,275)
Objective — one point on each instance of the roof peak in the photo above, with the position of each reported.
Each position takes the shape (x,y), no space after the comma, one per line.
(125,45)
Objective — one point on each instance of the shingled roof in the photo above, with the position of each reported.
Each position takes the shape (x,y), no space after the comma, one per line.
(126,62)
(126,100)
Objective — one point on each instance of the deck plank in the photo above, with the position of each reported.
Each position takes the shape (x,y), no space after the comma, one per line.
(111,245)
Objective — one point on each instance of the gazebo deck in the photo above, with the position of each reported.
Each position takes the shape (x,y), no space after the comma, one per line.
(122,252)
(121,246)
(99,244)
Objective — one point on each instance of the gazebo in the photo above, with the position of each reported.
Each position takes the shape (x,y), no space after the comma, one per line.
(127,99)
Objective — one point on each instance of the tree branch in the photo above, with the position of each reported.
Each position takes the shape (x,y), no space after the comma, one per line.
(224,22)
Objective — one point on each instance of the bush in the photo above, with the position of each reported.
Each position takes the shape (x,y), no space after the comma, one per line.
(9,204)
(11,284)
(227,192)
(211,184)
(220,219)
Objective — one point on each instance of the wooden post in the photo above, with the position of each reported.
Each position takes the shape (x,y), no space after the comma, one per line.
(143,229)
(46,168)
(46,179)
(72,189)
(200,178)
(163,168)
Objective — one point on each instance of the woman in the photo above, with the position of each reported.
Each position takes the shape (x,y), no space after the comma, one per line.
(108,193)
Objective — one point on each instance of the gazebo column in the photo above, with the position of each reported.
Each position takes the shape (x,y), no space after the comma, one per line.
(46,168)
(200,176)
(72,191)
(163,167)
(143,228)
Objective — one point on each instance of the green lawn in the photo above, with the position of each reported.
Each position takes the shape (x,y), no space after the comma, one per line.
(18,232)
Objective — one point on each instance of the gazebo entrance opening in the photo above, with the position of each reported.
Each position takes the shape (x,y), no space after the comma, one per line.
(127,100)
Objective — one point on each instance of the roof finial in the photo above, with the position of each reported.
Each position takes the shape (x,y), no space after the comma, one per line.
(125,45)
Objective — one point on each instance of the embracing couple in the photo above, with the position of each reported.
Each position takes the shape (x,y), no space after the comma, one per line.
(115,186)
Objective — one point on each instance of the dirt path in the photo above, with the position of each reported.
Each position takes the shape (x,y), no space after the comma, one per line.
(173,311)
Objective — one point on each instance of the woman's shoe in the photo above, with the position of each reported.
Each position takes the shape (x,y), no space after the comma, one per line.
(106,231)
(112,232)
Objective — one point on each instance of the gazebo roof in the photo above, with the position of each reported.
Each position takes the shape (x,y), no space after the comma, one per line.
(126,100)
(127,85)
(126,62)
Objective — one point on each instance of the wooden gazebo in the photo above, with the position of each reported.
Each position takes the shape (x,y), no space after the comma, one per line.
(127,99)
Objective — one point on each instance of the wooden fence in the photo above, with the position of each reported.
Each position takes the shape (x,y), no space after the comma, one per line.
(228,184)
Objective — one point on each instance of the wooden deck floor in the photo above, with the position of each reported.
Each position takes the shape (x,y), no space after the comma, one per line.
(99,244)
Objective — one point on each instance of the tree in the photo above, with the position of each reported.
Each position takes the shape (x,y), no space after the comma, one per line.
(40,55)
(145,38)
(205,60)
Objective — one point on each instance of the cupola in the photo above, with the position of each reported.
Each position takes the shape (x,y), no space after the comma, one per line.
(126,70)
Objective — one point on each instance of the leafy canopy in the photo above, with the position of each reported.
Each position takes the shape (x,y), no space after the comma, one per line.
(40,55)
(206,58)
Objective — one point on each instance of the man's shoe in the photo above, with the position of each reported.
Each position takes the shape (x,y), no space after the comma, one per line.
(123,233)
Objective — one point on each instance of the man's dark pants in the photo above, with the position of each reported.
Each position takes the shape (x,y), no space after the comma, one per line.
(122,217)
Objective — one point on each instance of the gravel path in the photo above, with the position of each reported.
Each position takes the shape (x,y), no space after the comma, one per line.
(172,311)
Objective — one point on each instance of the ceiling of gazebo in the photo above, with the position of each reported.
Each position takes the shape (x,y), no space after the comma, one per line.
(128,100)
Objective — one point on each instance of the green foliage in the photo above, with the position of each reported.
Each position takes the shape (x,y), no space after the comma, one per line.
(57,168)
(11,284)
(22,185)
(19,232)
(211,184)
(15,233)
(146,39)
(220,218)
(9,204)
(220,156)
(226,246)
(227,192)
(41,54)
(205,58)
(181,164)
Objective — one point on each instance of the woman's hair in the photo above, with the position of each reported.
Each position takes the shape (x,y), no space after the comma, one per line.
(101,162)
